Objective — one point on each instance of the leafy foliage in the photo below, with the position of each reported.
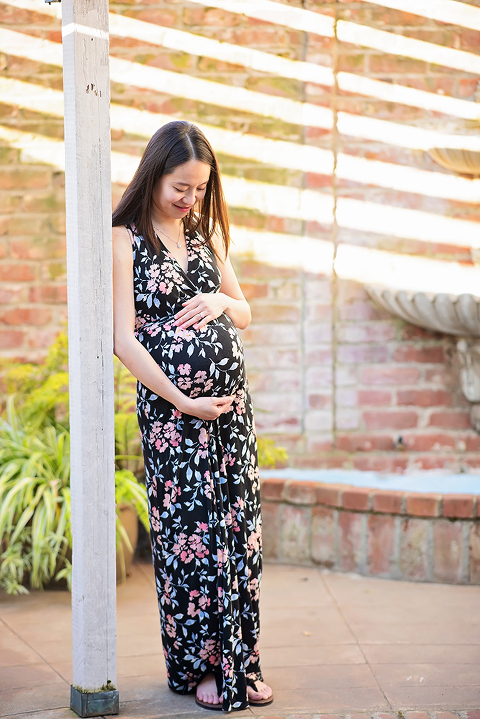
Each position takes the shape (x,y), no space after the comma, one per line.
(35,511)
(270,456)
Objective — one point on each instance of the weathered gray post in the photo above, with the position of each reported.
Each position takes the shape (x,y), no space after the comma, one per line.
(89,264)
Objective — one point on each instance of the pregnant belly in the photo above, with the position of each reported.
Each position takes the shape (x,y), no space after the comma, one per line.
(205,363)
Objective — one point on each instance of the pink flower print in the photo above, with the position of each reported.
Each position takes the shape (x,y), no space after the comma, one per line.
(166,591)
(208,385)
(227,668)
(200,376)
(184,382)
(171,494)
(220,599)
(239,401)
(184,368)
(254,542)
(176,414)
(210,652)
(170,626)
(155,519)
(202,527)
(253,589)
(203,439)
(221,559)
(208,487)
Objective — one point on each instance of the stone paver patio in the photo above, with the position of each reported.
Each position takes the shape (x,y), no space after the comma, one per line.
(332,644)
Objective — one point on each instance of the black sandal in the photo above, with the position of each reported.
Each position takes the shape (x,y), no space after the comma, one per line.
(259,702)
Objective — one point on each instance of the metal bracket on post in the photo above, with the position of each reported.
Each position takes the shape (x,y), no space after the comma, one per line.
(49,2)
(95,704)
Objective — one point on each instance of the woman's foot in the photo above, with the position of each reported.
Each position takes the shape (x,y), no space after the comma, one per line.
(262,693)
(207,692)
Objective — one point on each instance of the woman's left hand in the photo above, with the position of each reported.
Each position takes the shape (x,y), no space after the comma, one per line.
(201,309)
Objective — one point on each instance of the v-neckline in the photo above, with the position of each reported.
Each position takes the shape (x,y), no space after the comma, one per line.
(184,271)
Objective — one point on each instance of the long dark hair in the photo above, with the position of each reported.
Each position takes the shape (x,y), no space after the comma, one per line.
(173,145)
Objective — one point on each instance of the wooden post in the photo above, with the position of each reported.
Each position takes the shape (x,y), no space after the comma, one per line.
(89,264)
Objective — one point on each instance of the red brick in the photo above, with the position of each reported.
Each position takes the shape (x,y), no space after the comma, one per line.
(450,419)
(461,506)
(423,505)
(413,558)
(349,540)
(425,398)
(26,316)
(388,501)
(364,442)
(49,294)
(357,498)
(329,494)
(436,462)
(42,339)
(428,442)
(448,551)
(157,17)
(353,354)
(22,179)
(362,332)
(323,536)
(273,489)
(10,272)
(251,290)
(11,338)
(270,529)
(390,375)
(374,397)
(410,353)
(372,463)
(300,492)
(393,420)
(474,551)
(381,544)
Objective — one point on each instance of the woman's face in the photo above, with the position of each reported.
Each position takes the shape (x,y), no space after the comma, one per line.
(175,194)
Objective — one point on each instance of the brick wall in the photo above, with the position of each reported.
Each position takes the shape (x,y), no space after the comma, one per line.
(334,378)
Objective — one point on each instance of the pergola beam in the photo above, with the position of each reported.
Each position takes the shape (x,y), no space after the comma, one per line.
(89,265)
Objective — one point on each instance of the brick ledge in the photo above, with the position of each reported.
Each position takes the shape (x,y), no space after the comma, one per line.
(384,533)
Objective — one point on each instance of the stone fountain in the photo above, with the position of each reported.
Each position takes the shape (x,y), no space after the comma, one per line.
(457,315)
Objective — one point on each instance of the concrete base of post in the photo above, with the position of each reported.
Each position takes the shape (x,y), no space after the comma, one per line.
(95,704)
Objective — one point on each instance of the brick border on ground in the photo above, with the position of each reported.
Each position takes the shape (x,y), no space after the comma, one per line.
(376,533)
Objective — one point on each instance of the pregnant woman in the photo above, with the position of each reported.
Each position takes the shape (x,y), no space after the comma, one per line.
(177,304)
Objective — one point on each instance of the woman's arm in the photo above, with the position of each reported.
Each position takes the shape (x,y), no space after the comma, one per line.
(230,300)
(132,354)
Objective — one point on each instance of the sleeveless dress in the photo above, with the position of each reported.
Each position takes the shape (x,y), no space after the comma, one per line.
(202,481)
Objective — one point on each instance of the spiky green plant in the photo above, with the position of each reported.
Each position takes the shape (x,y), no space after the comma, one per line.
(35,511)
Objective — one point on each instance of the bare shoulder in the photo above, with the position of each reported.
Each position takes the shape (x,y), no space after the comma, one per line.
(217,243)
(122,244)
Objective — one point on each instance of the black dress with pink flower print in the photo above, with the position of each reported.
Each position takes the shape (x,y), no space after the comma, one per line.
(202,481)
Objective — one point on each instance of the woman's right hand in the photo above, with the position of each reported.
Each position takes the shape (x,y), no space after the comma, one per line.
(208,408)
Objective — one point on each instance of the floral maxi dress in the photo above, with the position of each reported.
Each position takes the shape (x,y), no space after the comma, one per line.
(202,481)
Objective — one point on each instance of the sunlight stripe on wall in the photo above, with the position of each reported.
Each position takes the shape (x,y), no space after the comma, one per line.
(123,26)
(396,134)
(276,153)
(447,11)
(178,84)
(357,34)
(394,44)
(263,61)
(280,250)
(403,95)
(353,262)
(405,272)
(391,221)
